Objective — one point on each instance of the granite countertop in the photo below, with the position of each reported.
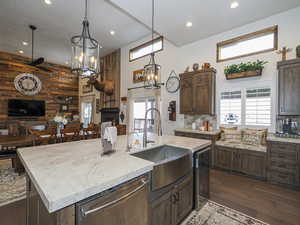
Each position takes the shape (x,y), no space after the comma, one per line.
(272,137)
(187,130)
(66,173)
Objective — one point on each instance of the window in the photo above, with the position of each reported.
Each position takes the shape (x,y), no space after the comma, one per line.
(139,110)
(258,107)
(250,44)
(231,108)
(146,49)
(250,107)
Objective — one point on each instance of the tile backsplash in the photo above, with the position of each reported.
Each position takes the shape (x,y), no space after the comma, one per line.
(199,119)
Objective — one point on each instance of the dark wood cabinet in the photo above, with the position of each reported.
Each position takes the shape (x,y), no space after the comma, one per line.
(183,194)
(289,87)
(224,157)
(283,163)
(171,207)
(197,93)
(186,93)
(161,210)
(252,163)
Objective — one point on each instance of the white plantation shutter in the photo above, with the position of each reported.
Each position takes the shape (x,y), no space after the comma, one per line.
(231,108)
(258,107)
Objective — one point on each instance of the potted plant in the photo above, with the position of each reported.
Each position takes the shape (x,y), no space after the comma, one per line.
(242,70)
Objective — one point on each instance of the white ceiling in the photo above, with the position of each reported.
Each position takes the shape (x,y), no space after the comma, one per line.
(209,17)
(58,22)
(130,19)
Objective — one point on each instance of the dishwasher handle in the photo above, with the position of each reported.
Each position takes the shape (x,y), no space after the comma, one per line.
(85,213)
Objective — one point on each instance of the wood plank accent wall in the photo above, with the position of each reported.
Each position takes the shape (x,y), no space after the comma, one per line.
(111,70)
(59,82)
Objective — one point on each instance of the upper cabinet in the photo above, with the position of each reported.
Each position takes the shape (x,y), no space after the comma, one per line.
(197,92)
(289,87)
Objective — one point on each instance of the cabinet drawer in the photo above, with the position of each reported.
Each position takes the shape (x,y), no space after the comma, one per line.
(283,147)
(283,166)
(281,177)
(285,156)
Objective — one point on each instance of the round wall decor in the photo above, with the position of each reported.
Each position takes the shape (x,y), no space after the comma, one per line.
(28,84)
(173,83)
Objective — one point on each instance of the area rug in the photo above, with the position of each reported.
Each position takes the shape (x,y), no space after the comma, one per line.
(12,185)
(214,214)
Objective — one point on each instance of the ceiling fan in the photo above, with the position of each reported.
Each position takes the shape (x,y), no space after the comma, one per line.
(36,62)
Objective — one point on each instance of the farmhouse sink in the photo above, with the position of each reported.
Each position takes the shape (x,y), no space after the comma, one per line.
(171,163)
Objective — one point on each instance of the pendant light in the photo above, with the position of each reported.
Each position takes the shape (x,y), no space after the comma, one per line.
(152,70)
(85,51)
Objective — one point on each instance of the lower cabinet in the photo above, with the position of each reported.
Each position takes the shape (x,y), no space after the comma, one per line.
(172,207)
(223,157)
(251,163)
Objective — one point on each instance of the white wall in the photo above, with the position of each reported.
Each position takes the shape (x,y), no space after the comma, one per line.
(178,58)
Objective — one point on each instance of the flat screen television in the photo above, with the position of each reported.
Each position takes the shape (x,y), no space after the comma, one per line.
(26,108)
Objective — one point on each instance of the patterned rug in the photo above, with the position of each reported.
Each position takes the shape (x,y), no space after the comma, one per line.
(214,214)
(12,186)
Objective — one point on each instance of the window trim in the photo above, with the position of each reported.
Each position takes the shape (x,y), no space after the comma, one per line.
(273,29)
(146,44)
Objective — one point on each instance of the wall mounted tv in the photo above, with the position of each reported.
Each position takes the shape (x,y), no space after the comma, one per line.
(26,108)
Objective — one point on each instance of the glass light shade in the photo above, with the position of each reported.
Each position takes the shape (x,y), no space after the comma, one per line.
(85,53)
(152,74)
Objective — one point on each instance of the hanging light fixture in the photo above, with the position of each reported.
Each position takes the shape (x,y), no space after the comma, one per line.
(85,51)
(152,70)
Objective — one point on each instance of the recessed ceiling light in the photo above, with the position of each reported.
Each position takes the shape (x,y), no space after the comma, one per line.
(48,2)
(25,43)
(112,32)
(189,24)
(234,5)
(21,51)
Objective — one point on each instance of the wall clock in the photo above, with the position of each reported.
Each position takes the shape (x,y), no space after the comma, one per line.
(173,83)
(28,84)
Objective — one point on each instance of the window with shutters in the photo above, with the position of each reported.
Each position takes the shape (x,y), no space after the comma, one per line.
(231,108)
(250,107)
(258,107)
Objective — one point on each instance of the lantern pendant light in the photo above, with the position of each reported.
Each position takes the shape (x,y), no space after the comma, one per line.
(85,51)
(152,70)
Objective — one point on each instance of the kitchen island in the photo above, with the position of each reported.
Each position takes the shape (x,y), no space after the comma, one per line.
(68,173)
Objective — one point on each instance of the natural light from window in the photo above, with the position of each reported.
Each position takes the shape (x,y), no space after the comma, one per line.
(146,49)
(231,108)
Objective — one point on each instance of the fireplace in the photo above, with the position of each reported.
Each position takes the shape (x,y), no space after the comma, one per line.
(110,114)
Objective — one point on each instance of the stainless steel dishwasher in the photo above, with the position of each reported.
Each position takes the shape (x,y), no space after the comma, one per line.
(201,177)
(123,205)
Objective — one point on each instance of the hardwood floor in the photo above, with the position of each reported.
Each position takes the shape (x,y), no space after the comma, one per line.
(272,204)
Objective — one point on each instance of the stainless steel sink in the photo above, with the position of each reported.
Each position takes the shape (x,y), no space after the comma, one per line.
(171,163)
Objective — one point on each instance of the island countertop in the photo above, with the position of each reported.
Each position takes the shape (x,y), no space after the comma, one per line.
(66,173)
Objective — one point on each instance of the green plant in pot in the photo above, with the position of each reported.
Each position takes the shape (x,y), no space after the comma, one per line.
(298,51)
(245,67)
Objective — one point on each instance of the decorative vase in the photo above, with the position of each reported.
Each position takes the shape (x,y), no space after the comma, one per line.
(298,51)
(195,66)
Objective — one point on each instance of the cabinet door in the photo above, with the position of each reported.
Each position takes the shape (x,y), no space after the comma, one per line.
(161,210)
(202,94)
(186,95)
(289,90)
(223,157)
(253,163)
(184,199)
